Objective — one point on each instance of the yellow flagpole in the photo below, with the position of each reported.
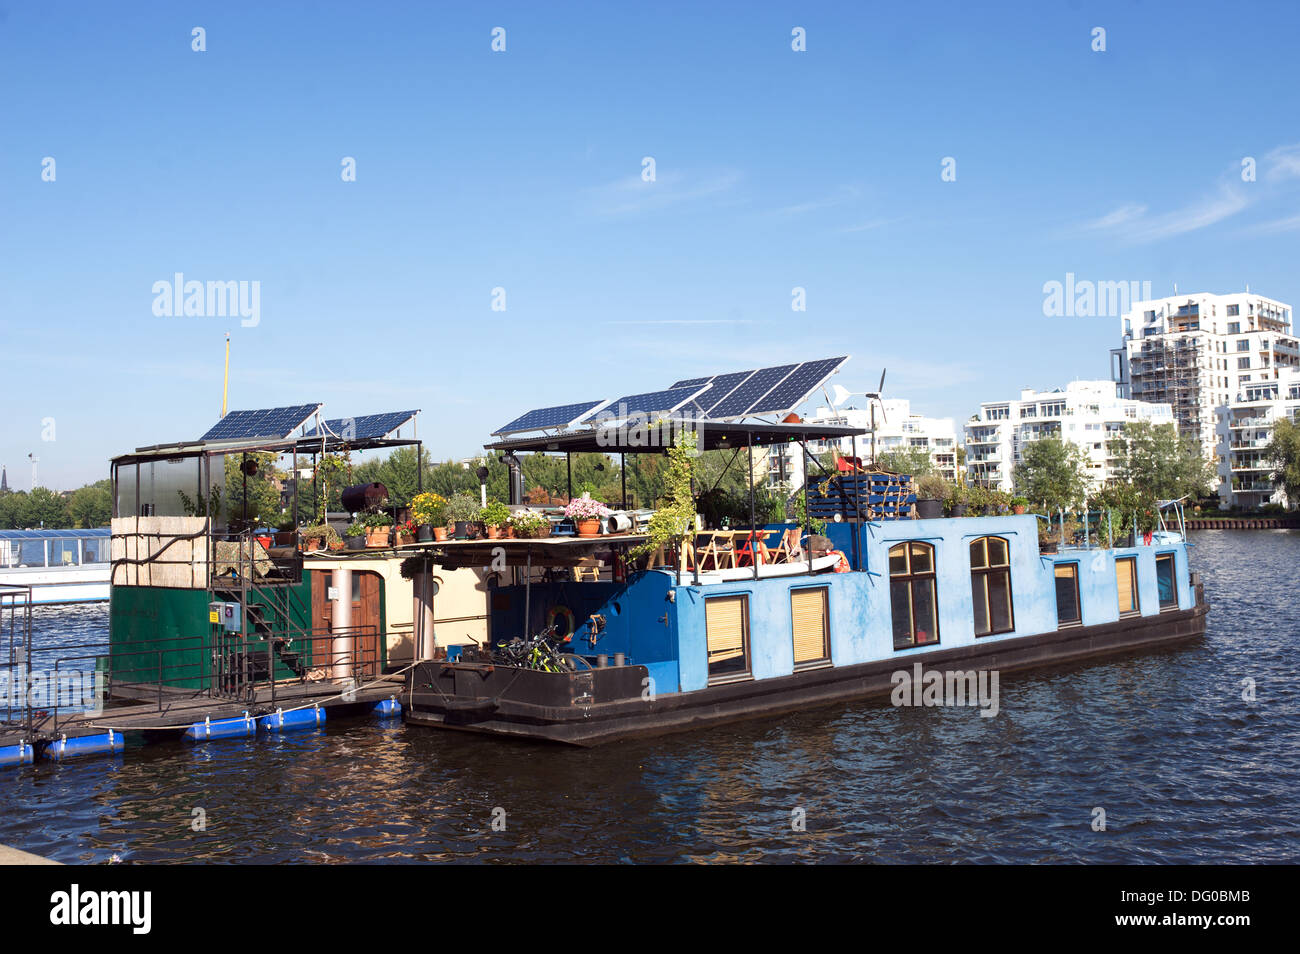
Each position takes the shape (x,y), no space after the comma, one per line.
(225,386)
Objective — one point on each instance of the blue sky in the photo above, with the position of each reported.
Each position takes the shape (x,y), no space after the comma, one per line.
(522,170)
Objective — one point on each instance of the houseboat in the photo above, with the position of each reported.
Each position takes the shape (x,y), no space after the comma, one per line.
(788,619)
(56,566)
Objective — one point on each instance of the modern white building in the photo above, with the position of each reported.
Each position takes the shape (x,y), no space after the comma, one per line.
(1087,413)
(1245,428)
(1197,352)
(896,428)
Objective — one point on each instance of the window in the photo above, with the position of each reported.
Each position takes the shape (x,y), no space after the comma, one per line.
(1166,582)
(1243,344)
(1234,327)
(726,626)
(1234,311)
(990,585)
(1067,594)
(1243,364)
(1126,583)
(808,619)
(912,595)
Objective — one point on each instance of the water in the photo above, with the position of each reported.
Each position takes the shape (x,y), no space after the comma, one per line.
(1185,770)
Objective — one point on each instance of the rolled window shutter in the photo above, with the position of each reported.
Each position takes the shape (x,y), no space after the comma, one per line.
(724,620)
(808,615)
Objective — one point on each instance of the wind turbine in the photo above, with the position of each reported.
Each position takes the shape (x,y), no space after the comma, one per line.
(842,394)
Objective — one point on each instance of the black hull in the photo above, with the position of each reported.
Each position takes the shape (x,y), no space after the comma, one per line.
(606,705)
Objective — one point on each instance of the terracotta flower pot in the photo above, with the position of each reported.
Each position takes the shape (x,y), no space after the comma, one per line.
(311,544)
(403,538)
(493,533)
(588,528)
(377,537)
(1018,509)
(440,533)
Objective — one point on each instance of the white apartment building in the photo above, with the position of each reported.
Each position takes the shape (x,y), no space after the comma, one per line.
(1087,413)
(896,428)
(1245,428)
(1197,352)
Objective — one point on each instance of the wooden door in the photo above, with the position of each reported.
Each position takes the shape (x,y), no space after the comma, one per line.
(367,619)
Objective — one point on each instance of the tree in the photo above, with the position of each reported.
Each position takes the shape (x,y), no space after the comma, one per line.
(45,508)
(13,510)
(1284,451)
(1053,473)
(91,505)
(1160,464)
(914,461)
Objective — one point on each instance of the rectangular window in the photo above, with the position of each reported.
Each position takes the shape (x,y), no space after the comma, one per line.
(1067,594)
(1166,582)
(1243,364)
(1126,583)
(1243,344)
(991,586)
(726,626)
(1234,327)
(1234,311)
(809,624)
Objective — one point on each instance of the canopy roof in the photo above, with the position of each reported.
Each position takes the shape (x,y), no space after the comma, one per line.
(711,435)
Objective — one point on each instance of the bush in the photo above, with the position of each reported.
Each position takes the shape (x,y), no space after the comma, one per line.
(495,514)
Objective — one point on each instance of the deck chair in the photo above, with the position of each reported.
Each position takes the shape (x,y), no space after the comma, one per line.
(790,549)
(756,541)
(587,570)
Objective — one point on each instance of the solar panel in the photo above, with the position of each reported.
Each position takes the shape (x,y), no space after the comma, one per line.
(653,402)
(738,402)
(794,390)
(277,422)
(691,382)
(365,427)
(723,385)
(560,416)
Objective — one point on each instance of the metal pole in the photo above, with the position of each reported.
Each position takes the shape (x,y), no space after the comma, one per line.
(419,467)
(857,504)
(568,467)
(803,444)
(295,491)
(528,590)
(753,545)
(622,474)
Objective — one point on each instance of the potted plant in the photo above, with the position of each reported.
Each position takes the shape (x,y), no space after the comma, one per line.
(377,528)
(429,511)
(495,517)
(957,501)
(462,511)
(528,523)
(317,537)
(356,535)
(586,515)
(930,493)
(404,533)
(1018,504)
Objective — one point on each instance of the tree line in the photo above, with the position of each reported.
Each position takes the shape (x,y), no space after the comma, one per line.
(42,508)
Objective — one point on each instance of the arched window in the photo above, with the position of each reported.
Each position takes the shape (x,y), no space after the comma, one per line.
(990,585)
(912,595)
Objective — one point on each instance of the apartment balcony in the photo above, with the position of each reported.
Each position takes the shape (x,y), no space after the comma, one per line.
(1239,423)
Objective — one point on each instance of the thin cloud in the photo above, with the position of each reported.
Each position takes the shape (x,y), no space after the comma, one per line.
(1133,224)
(632,195)
(844,195)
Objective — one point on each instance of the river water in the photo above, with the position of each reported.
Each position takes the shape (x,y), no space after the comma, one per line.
(1184,769)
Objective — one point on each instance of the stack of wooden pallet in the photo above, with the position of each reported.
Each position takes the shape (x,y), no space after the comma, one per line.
(875,495)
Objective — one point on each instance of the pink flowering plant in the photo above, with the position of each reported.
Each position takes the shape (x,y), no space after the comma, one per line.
(584,508)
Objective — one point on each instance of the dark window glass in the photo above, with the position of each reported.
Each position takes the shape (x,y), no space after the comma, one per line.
(1067,593)
(1165,582)
(913,605)
(990,586)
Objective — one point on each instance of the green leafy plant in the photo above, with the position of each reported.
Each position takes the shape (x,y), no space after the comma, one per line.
(202,508)
(462,508)
(357,529)
(932,487)
(495,514)
(1020,501)
(674,520)
(376,521)
(322,531)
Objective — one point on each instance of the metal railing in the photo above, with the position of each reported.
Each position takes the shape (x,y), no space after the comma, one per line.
(179,680)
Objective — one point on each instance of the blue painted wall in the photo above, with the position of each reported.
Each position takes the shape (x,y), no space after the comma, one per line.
(661,625)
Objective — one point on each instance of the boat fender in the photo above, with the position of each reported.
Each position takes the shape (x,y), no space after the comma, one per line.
(281,721)
(564,611)
(388,707)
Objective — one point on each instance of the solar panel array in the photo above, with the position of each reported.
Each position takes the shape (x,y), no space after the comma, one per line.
(772,390)
(736,395)
(544,418)
(277,422)
(366,426)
